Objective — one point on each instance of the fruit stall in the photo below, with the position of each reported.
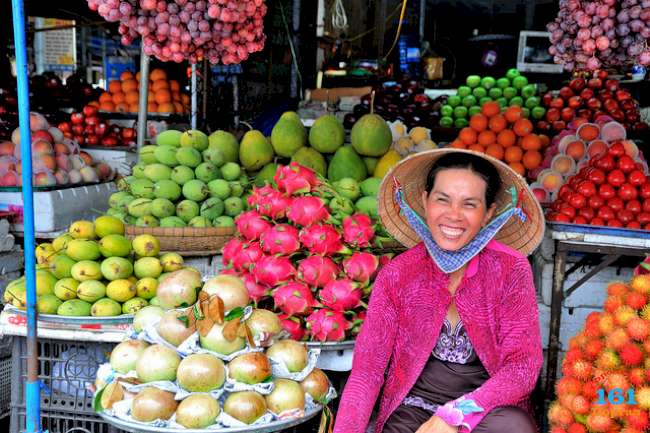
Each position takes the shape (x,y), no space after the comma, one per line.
(165,271)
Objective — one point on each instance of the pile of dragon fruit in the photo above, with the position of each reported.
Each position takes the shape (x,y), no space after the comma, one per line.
(225,31)
(313,264)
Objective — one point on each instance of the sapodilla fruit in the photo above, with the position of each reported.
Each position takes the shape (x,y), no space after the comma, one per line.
(172,330)
(250,368)
(152,403)
(245,406)
(197,411)
(291,353)
(125,355)
(230,289)
(201,372)
(287,395)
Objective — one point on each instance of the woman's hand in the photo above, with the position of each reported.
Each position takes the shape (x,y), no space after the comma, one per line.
(436,425)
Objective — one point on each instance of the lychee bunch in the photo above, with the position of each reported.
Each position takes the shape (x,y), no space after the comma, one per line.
(611,351)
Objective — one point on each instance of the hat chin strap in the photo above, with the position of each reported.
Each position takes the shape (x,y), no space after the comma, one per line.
(450,261)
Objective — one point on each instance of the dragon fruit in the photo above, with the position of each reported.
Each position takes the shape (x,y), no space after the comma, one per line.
(327,325)
(307,210)
(361,266)
(258,194)
(293,326)
(341,295)
(230,250)
(272,270)
(358,230)
(251,225)
(294,298)
(280,239)
(359,318)
(255,291)
(317,271)
(322,239)
(249,254)
(295,179)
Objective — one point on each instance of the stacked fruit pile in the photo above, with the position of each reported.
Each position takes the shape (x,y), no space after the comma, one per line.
(589,99)
(8,111)
(93,270)
(184,180)
(606,387)
(302,242)
(217,365)
(511,90)
(56,160)
(611,189)
(406,142)
(224,31)
(507,137)
(87,128)
(164,95)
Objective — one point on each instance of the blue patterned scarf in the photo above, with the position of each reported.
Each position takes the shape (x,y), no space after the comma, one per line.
(450,261)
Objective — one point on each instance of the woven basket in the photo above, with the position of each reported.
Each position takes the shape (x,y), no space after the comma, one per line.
(188,241)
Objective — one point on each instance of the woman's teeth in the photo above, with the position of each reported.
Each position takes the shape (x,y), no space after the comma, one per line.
(451,232)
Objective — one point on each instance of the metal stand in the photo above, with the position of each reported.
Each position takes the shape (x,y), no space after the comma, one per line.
(144,98)
(194,97)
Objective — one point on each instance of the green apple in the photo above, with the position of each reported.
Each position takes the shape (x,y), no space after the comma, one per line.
(512,73)
(509,92)
(526,112)
(528,90)
(446,122)
(460,112)
(454,100)
(469,100)
(447,110)
(519,82)
(473,81)
(461,123)
(483,100)
(464,91)
(495,93)
(532,102)
(479,92)
(475,109)
(502,83)
(488,82)
(517,100)
(538,112)
(503,102)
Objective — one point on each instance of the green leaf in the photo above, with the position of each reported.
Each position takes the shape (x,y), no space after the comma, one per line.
(234,314)
(97,401)
(268,379)
(185,320)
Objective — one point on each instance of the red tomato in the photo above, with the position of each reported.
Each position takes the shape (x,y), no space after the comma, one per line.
(605,163)
(606,191)
(646,227)
(627,192)
(597,222)
(555,206)
(633,206)
(643,218)
(616,178)
(644,190)
(626,164)
(605,213)
(587,213)
(645,207)
(568,210)
(565,192)
(625,216)
(596,202)
(615,204)
(614,223)
(559,218)
(597,176)
(574,182)
(616,149)
(636,177)
(577,200)
(633,225)
(587,188)
(580,220)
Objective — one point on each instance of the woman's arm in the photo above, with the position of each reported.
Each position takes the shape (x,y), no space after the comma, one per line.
(372,352)
(521,349)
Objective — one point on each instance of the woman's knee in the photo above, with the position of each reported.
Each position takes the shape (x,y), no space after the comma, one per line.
(506,418)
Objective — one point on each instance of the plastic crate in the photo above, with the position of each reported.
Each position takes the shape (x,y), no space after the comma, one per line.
(5,386)
(67,369)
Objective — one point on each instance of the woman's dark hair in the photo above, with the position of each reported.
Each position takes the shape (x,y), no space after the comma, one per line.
(476,164)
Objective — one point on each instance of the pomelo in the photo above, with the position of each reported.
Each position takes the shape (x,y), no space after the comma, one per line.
(255,151)
(327,134)
(371,136)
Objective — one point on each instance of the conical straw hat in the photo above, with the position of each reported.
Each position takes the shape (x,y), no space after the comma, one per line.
(411,173)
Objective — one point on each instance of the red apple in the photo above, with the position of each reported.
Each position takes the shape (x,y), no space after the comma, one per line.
(64,127)
(128,134)
(565,93)
(101,129)
(76,118)
(92,120)
(90,110)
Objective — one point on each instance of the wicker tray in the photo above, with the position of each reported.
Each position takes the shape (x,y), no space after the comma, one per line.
(188,241)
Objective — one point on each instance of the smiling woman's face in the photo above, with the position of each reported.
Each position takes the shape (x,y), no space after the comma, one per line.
(455,208)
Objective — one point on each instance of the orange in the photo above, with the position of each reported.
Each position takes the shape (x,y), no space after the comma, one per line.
(178,107)
(129,85)
(467,136)
(114,86)
(119,97)
(162,96)
(152,107)
(185,99)
(457,144)
(513,154)
(133,108)
(107,106)
(174,86)
(531,142)
(532,159)
(176,97)
(157,74)
(514,113)
(523,127)
(132,97)
(588,132)
(495,151)
(126,75)
(122,107)
(498,123)
(151,96)
(137,76)
(506,138)
(105,97)
(166,107)
(160,84)
(477,148)
(491,109)
(518,167)
(486,138)
(478,122)
(544,139)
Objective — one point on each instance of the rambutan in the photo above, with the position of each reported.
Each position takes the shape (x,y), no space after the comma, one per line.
(616,380)
(630,429)
(637,376)
(599,420)
(617,338)
(608,360)
(592,329)
(636,300)
(568,385)
(578,340)
(573,355)
(638,328)
(593,348)
(582,369)
(566,400)
(638,419)
(606,324)
(631,355)
(576,428)
(559,415)
(647,372)
(590,390)
(617,288)
(612,303)
(593,317)
(641,283)
(617,411)
(580,405)
(645,312)
(642,397)
(558,430)
(624,314)
(646,346)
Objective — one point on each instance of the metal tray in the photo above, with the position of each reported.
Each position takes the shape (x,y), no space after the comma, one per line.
(331,345)
(599,230)
(266,428)
(79,320)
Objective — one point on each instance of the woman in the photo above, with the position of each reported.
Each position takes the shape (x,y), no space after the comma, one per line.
(452,336)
